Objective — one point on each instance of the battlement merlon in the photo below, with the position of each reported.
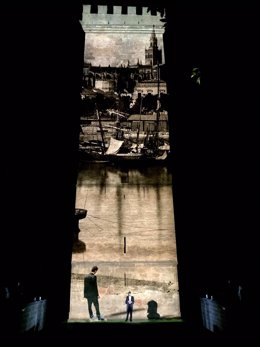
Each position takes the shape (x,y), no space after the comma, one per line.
(132,21)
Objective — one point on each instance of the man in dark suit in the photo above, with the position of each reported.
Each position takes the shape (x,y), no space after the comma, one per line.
(129,301)
(91,292)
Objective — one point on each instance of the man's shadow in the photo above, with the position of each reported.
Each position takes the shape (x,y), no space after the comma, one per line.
(152,310)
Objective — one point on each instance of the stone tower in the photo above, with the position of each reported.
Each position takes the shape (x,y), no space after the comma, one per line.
(153,55)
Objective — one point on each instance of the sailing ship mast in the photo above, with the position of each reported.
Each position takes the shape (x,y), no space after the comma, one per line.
(101,131)
(157,107)
(139,124)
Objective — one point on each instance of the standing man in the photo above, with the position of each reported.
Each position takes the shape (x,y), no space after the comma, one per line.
(91,292)
(130,300)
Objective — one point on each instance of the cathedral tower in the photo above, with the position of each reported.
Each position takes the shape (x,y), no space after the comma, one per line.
(153,55)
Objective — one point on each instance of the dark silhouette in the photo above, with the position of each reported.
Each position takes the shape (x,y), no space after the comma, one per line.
(80,213)
(129,301)
(91,292)
(10,303)
(78,246)
(231,301)
(152,310)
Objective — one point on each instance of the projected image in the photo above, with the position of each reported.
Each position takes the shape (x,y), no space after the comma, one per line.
(124,261)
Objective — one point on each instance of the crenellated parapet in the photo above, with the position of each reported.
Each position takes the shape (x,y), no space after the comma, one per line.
(134,18)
